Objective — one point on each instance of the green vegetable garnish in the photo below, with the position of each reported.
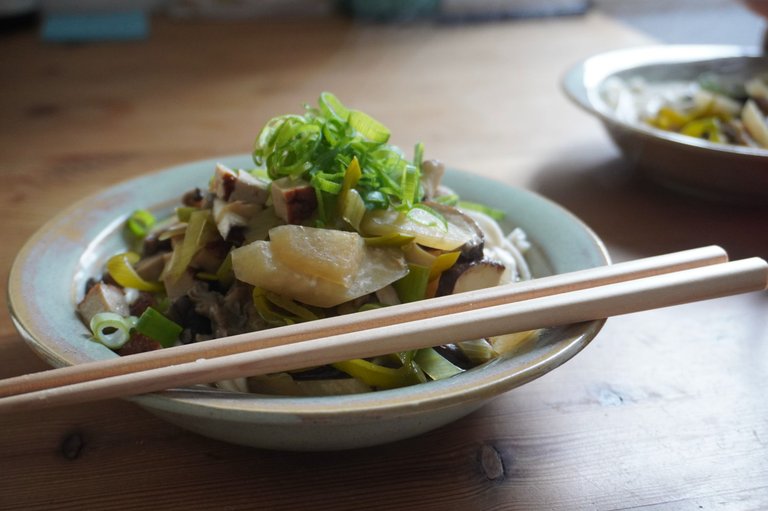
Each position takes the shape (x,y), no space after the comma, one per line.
(156,326)
(413,287)
(110,329)
(120,267)
(435,365)
(494,213)
(140,222)
(320,146)
(379,376)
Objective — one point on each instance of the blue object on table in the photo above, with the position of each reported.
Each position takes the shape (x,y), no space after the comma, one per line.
(94,26)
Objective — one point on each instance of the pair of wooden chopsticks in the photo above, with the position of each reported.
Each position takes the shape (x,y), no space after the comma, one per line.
(596,293)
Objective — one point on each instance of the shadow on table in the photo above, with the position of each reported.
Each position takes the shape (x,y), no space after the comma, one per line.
(635,215)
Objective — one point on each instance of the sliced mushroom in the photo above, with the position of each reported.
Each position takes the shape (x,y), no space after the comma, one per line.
(102,297)
(232,214)
(470,276)
(431,174)
(239,185)
(210,256)
(180,286)
(150,268)
(471,250)
(294,200)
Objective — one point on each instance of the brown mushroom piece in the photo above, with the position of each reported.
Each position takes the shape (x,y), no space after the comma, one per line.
(470,276)
(472,250)
(432,172)
(150,268)
(229,215)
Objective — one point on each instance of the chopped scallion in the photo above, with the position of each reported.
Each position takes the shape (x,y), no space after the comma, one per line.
(111,329)
(140,222)
(494,213)
(120,268)
(156,326)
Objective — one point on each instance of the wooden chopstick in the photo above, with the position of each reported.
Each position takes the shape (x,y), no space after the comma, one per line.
(365,320)
(567,307)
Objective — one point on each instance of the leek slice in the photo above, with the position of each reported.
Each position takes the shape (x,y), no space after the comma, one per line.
(111,329)
(120,268)
(435,365)
(441,263)
(332,107)
(413,287)
(353,209)
(300,313)
(183,213)
(156,326)
(140,222)
(199,231)
(369,127)
(494,213)
(225,275)
(350,203)
(394,239)
(707,128)
(478,351)
(264,309)
(377,375)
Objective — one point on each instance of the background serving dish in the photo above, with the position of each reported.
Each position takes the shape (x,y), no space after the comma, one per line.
(51,269)
(719,171)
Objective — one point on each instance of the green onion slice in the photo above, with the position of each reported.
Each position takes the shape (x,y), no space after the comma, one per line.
(120,268)
(435,365)
(394,239)
(140,222)
(156,326)
(413,287)
(332,107)
(369,127)
(424,215)
(111,329)
(299,312)
(264,309)
(494,213)
(377,375)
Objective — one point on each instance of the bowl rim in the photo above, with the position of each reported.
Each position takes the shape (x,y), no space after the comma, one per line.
(201,401)
(582,81)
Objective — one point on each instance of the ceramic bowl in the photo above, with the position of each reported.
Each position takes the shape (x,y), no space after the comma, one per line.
(717,171)
(49,273)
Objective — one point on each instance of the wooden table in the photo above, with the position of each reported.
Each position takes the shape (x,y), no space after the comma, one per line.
(664,410)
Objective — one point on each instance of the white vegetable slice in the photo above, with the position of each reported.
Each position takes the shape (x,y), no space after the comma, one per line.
(326,253)
(427,229)
(754,121)
(255,264)
(757,88)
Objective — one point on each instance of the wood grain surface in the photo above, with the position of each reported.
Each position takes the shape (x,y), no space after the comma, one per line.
(664,410)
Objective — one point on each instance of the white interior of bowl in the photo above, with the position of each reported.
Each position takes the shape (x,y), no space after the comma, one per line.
(49,274)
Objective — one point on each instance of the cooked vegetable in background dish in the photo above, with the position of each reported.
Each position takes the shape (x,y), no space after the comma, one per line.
(716,108)
(331,220)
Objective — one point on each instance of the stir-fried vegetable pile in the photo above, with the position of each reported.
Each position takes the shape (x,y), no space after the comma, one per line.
(332,220)
(714,108)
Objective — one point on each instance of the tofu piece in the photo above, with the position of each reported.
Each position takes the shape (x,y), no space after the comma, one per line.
(231,185)
(103,298)
(294,200)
